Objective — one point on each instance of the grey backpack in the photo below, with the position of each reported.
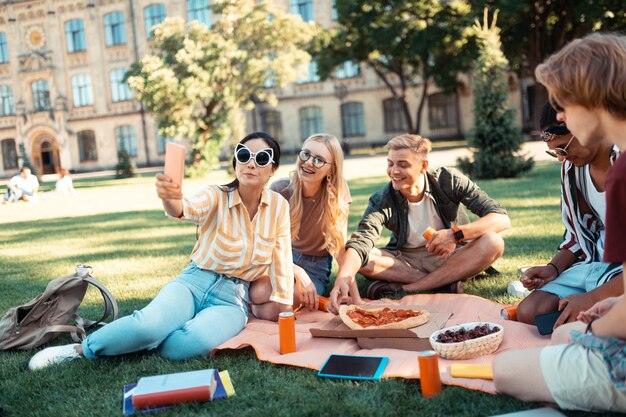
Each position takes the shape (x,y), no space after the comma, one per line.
(47,316)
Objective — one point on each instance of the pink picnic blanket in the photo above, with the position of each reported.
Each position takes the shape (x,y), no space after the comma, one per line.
(311,352)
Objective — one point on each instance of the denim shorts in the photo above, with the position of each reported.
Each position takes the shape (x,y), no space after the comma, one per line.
(317,267)
(581,278)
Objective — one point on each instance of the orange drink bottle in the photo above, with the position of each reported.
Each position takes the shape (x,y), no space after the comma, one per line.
(509,312)
(322,303)
(429,373)
(429,233)
(287,332)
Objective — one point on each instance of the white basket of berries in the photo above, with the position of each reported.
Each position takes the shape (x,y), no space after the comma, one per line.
(468,340)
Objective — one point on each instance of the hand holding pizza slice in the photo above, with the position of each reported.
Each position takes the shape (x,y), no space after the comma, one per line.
(358,318)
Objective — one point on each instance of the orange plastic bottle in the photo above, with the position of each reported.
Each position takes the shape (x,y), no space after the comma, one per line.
(287,332)
(429,233)
(430,380)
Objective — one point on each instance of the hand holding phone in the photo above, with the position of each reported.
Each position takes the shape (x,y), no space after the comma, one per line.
(175,162)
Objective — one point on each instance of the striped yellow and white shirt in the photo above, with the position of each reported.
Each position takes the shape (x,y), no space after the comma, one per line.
(230,244)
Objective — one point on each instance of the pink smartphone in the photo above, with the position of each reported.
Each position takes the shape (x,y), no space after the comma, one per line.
(175,162)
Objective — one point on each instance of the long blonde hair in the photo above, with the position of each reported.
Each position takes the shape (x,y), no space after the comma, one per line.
(334,195)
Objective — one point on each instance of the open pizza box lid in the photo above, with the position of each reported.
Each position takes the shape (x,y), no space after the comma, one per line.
(336,327)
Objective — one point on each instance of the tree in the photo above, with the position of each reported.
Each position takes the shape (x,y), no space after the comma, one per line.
(407,43)
(495,136)
(26,159)
(124,167)
(533,30)
(197,76)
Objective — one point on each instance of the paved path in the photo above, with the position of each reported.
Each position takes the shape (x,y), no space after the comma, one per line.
(118,198)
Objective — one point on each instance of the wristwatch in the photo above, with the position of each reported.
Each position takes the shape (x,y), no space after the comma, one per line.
(458,234)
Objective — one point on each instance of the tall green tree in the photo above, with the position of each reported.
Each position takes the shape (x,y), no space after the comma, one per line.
(533,30)
(495,136)
(197,76)
(408,43)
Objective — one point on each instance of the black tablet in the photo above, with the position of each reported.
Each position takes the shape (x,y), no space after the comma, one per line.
(354,367)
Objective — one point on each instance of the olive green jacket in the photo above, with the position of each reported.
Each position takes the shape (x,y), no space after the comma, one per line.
(387,207)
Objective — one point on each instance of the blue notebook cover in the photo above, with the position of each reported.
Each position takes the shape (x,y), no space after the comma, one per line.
(129,410)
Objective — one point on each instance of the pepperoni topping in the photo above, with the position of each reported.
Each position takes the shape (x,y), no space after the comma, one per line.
(369,318)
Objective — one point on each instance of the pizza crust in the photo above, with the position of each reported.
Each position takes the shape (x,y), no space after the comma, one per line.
(408,323)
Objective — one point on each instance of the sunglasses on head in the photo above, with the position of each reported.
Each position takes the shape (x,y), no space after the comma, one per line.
(318,162)
(554,132)
(262,158)
(558,151)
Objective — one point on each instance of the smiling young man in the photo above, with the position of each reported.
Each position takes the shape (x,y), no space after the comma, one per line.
(575,278)
(415,199)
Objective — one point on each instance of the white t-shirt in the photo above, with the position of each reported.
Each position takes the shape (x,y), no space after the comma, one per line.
(422,215)
(597,200)
(28,184)
(64,184)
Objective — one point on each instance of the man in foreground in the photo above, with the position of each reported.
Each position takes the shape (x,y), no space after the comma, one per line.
(586,82)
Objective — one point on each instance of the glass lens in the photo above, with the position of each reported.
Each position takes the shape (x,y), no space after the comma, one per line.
(318,162)
(242,155)
(262,158)
(304,155)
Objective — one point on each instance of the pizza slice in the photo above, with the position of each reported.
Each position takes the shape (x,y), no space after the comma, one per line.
(358,318)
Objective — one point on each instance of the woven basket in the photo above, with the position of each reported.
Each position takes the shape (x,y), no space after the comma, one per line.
(468,349)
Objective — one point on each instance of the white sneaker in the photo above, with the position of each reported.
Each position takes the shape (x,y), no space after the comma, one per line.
(517,289)
(53,355)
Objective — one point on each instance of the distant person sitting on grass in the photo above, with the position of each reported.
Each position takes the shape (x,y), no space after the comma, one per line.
(244,234)
(586,81)
(415,199)
(576,278)
(64,184)
(22,186)
(319,201)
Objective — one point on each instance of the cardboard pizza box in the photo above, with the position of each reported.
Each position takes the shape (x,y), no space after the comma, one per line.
(336,328)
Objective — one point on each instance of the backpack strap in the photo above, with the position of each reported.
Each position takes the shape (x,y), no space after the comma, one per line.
(76,332)
(110,305)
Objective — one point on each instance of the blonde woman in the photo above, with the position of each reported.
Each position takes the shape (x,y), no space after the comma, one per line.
(319,201)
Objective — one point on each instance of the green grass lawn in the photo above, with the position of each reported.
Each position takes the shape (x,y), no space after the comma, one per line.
(134,253)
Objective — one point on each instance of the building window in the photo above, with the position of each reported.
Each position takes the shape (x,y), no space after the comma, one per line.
(119,88)
(9,154)
(87,146)
(125,136)
(302,7)
(153,15)
(270,123)
(310,121)
(6,101)
(4,49)
(75,35)
(311,75)
(81,90)
(348,69)
(442,111)
(41,95)
(395,120)
(199,10)
(114,29)
(352,120)
(333,11)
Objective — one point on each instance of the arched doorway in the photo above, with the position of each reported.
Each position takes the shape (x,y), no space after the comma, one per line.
(46,155)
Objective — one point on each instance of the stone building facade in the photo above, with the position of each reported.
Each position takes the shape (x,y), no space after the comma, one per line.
(63,99)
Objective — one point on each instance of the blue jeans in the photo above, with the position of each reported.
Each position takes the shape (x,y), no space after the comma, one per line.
(317,267)
(190,316)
